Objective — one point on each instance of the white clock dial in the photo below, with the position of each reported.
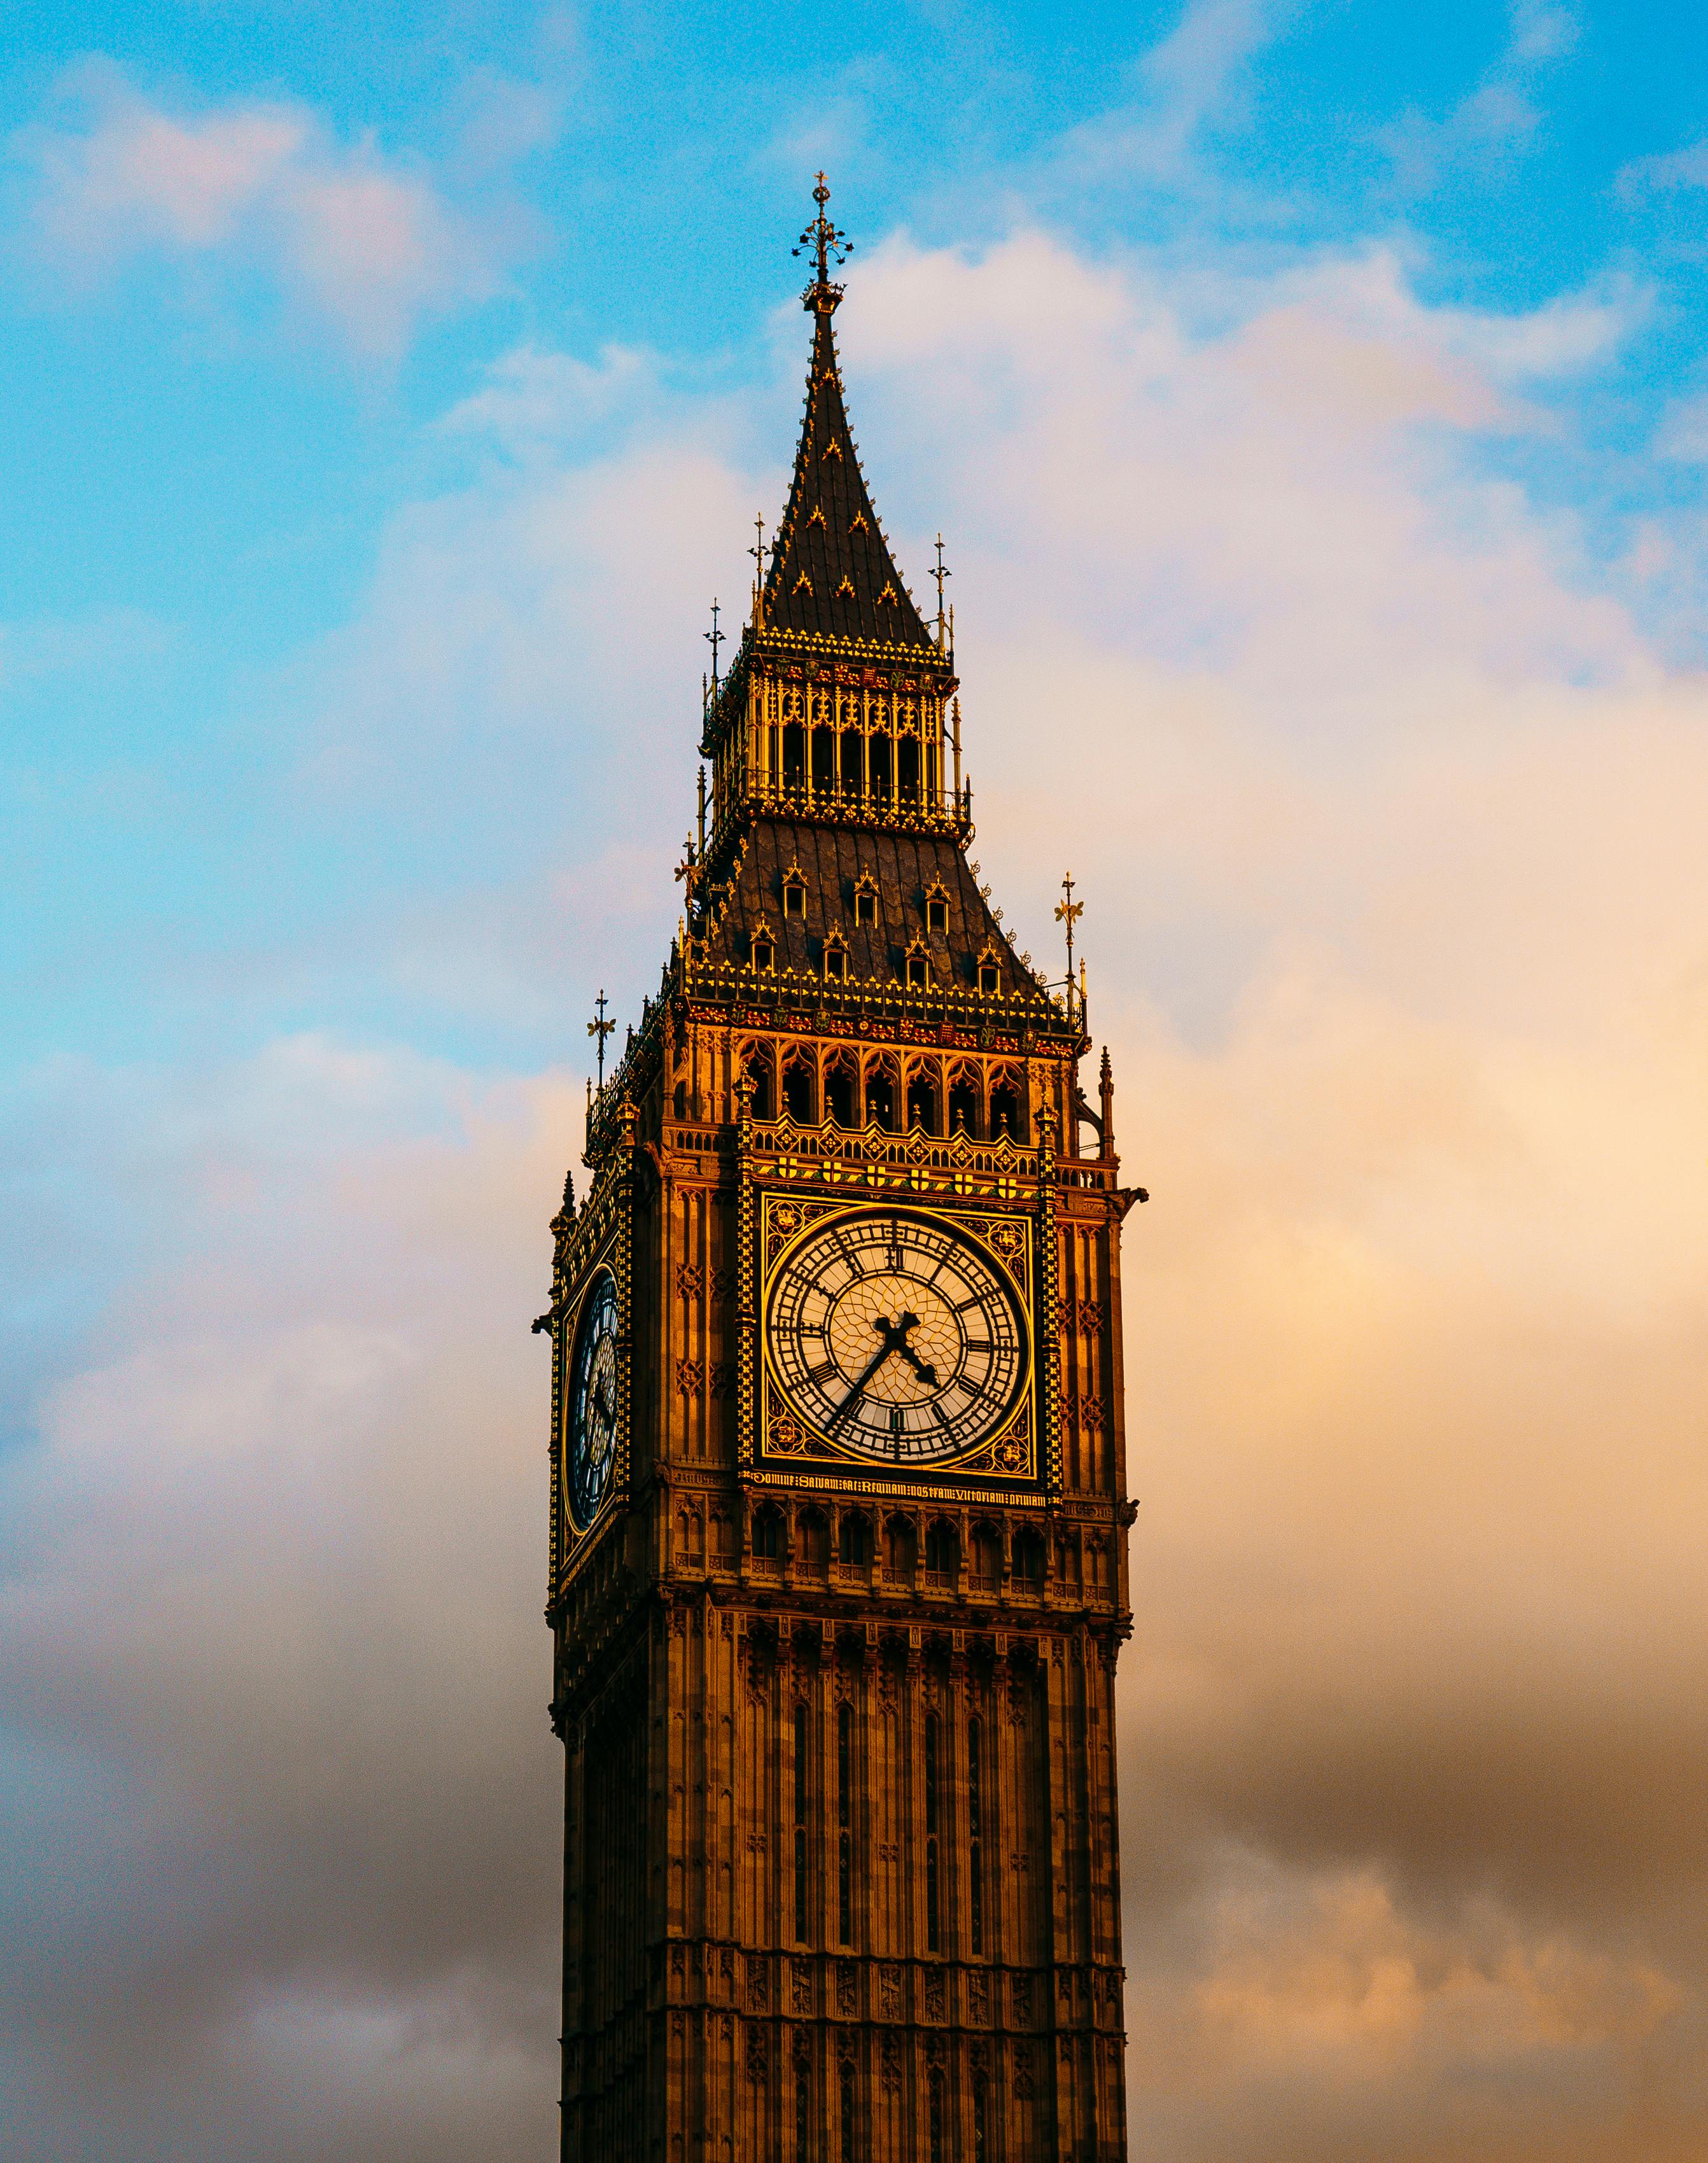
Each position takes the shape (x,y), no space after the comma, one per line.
(893,1336)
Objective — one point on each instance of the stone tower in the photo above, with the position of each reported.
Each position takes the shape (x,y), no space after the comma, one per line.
(838,1569)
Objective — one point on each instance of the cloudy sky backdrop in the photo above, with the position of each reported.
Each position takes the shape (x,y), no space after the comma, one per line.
(1311,398)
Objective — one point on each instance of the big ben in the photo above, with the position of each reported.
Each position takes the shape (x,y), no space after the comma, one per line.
(838,1564)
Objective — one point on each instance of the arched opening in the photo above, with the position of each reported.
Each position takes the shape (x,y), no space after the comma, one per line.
(900,1550)
(845,2084)
(880,1099)
(986,1557)
(854,1540)
(812,1543)
(824,759)
(1005,1110)
(933,1784)
(678,1100)
(964,1106)
(850,744)
(723,1538)
(1028,1557)
(975,1832)
(803,1779)
(922,1103)
(798,1092)
(794,757)
(845,1825)
(908,768)
(690,1534)
(768,1532)
(880,765)
(942,1551)
(840,1092)
(764,1087)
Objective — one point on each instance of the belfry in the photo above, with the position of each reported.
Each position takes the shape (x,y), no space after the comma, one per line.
(838,1562)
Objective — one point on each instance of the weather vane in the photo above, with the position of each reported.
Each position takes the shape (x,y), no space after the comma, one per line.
(827,244)
(1068,911)
(758,552)
(939,575)
(600,1029)
(714,638)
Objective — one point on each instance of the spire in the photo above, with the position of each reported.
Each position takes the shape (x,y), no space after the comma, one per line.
(831,571)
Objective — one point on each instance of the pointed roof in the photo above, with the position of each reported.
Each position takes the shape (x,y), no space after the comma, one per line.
(831,571)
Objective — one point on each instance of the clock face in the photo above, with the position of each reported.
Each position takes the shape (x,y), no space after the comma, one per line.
(895,1339)
(590,1405)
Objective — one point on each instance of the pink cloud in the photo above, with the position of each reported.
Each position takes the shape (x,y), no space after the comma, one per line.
(365,244)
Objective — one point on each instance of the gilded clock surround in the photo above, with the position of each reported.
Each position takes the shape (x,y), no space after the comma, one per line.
(841,1871)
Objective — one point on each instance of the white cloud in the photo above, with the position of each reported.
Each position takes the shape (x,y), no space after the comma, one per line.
(364,244)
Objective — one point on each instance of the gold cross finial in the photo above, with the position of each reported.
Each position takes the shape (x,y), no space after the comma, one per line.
(1068,912)
(826,243)
(600,1029)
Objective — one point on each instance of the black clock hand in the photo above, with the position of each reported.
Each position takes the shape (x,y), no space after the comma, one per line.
(899,1342)
(859,1388)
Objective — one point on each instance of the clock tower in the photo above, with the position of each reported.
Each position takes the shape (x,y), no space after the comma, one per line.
(838,1559)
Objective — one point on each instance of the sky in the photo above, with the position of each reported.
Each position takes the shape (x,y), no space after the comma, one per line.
(1312,402)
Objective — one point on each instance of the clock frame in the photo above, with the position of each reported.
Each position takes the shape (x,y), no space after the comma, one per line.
(778,1444)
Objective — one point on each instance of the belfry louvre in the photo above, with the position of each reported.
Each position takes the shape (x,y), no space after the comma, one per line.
(838,1570)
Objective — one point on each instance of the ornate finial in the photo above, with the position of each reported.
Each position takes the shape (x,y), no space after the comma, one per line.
(939,575)
(714,638)
(600,1029)
(758,552)
(826,243)
(1068,911)
(688,872)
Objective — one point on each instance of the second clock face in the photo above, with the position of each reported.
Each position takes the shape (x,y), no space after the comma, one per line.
(590,1403)
(895,1339)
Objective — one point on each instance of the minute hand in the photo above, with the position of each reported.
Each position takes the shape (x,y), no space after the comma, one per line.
(859,1388)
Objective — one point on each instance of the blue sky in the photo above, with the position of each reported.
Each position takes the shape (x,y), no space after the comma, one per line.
(1312,400)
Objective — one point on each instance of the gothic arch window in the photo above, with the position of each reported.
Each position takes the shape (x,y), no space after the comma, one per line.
(803,1790)
(922,1099)
(768,1532)
(835,958)
(865,893)
(918,965)
(854,1539)
(842,1089)
(757,1059)
(880,1094)
(844,2090)
(987,1557)
(964,1104)
(990,975)
(933,1784)
(812,1541)
(1007,1106)
(975,1831)
(1028,1556)
(690,1532)
(762,953)
(845,1825)
(942,1549)
(797,1086)
(794,892)
(900,1548)
(937,907)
